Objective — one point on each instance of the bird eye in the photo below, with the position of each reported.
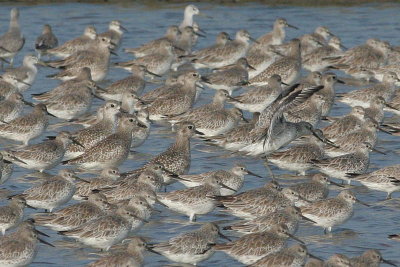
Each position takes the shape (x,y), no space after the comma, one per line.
(194,74)
(131,120)
(190,127)
(112,105)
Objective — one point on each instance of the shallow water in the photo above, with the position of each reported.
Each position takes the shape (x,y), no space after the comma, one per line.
(369,226)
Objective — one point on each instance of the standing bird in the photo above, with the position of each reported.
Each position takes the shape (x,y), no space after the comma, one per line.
(111,151)
(12,41)
(370,258)
(47,40)
(80,43)
(42,156)
(53,192)
(11,215)
(25,74)
(132,257)
(330,212)
(192,247)
(151,47)
(28,127)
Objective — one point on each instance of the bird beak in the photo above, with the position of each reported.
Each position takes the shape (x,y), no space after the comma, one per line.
(202,31)
(295,238)
(362,203)
(27,103)
(123,28)
(315,257)
(80,179)
(51,115)
(152,73)
(45,242)
(112,52)
(253,174)
(198,132)
(284,83)
(307,219)
(149,248)
(340,81)
(141,125)
(224,236)
(291,26)
(41,233)
(178,48)
(343,47)
(378,151)
(388,262)
(29,206)
(251,67)
(227,187)
(76,142)
(383,130)
(254,40)
(200,35)
(17,159)
(232,99)
(21,81)
(334,183)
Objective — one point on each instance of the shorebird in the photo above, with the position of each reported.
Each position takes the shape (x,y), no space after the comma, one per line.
(12,107)
(298,157)
(47,40)
(104,231)
(363,97)
(53,192)
(317,59)
(385,179)
(176,101)
(192,247)
(234,178)
(195,200)
(228,54)
(80,43)
(252,247)
(133,256)
(134,83)
(25,74)
(176,159)
(341,166)
(42,156)
(96,57)
(12,214)
(158,62)
(111,151)
(75,215)
(256,99)
(13,40)
(290,217)
(92,135)
(28,127)
(371,257)
(330,212)
(287,67)
(151,47)
(313,190)
(295,255)
(106,179)
(276,37)
(22,249)
(230,77)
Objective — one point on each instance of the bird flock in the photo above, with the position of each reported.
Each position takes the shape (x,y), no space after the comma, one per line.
(290,128)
